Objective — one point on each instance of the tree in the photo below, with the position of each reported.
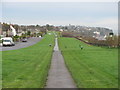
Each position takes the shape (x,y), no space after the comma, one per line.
(49,27)
(29,33)
(16,38)
(5,27)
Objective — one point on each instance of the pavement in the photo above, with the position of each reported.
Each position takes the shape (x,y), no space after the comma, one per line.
(18,45)
(59,76)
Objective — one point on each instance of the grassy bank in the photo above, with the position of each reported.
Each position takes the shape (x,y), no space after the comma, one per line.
(91,67)
(27,67)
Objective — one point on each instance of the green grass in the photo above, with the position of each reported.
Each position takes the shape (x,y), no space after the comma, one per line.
(0,70)
(27,67)
(92,67)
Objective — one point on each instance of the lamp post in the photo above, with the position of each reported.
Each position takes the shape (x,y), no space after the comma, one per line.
(111,38)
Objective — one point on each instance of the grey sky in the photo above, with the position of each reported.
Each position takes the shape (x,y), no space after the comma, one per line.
(103,14)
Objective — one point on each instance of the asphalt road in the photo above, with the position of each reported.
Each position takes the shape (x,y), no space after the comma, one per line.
(59,76)
(18,45)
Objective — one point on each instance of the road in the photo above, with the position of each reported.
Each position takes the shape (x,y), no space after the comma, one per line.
(18,45)
(59,76)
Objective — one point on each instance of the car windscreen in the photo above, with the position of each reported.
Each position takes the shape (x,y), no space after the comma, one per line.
(6,40)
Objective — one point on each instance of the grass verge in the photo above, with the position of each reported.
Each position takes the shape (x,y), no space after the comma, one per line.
(27,67)
(91,67)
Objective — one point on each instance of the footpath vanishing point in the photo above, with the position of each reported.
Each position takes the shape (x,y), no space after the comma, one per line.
(59,76)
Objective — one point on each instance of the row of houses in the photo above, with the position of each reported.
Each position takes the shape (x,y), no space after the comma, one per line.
(5,29)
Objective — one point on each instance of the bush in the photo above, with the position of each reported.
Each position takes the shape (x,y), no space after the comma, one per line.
(0,41)
(110,41)
(16,38)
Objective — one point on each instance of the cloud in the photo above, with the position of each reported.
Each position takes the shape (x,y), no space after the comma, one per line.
(60,0)
(108,22)
(111,23)
(85,14)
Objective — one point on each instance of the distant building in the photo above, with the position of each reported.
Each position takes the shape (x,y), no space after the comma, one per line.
(61,30)
(101,38)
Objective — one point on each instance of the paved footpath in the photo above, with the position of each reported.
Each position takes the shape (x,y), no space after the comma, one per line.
(59,76)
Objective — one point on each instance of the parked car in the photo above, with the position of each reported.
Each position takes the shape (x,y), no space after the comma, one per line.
(7,41)
(24,40)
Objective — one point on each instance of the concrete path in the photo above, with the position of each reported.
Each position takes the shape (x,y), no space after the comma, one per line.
(59,76)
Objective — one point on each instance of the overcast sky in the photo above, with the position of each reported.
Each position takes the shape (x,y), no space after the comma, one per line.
(103,14)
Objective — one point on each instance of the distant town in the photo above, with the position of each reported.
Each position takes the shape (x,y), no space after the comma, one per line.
(88,34)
